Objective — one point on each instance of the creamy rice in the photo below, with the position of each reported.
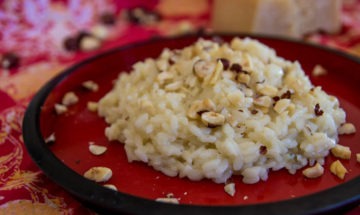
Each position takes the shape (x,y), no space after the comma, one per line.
(190,114)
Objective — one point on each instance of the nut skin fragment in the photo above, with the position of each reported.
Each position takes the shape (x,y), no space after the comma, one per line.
(60,109)
(314,172)
(338,169)
(340,151)
(98,174)
(212,119)
(347,128)
(96,149)
(230,189)
(70,98)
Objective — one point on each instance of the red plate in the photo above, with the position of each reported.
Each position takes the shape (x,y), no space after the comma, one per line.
(75,129)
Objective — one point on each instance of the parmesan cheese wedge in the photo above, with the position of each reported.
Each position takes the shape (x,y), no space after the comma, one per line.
(277,17)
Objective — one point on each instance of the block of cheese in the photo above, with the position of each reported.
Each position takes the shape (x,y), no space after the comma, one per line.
(293,18)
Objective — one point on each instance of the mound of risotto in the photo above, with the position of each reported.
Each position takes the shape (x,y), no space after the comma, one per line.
(214,110)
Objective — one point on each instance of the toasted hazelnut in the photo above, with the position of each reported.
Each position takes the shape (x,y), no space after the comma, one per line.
(215,76)
(203,68)
(90,43)
(347,128)
(236,98)
(110,186)
(267,90)
(230,189)
(60,109)
(90,85)
(174,86)
(338,169)
(314,171)
(168,200)
(98,174)
(281,105)
(92,106)
(243,78)
(263,101)
(212,119)
(96,149)
(50,139)
(70,98)
(200,106)
(164,76)
(340,151)
(318,71)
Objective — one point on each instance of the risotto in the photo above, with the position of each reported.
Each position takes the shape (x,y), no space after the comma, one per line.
(214,110)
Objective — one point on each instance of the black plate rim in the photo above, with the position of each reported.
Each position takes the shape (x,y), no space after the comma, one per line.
(102,199)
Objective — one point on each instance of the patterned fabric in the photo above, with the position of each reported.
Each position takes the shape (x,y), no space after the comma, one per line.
(36,29)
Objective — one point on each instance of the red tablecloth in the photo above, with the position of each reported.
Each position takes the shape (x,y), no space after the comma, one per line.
(35,31)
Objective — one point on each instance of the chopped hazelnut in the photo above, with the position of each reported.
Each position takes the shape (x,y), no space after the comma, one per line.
(314,171)
(347,128)
(98,174)
(60,109)
(281,105)
(338,169)
(50,139)
(243,78)
(263,101)
(168,200)
(203,68)
(164,76)
(230,189)
(267,90)
(96,149)
(90,85)
(92,106)
(200,106)
(212,119)
(340,151)
(318,71)
(215,76)
(358,157)
(70,98)
(110,186)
